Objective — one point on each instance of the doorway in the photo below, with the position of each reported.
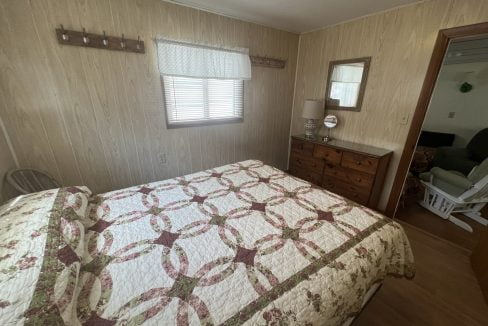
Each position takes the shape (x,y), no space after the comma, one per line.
(450,118)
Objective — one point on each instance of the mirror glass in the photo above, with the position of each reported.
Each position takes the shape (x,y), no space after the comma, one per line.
(330,121)
(346,84)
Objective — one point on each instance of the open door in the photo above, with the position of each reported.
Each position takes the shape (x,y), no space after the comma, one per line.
(479,261)
(444,37)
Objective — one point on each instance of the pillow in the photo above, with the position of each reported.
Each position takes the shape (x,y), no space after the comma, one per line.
(41,242)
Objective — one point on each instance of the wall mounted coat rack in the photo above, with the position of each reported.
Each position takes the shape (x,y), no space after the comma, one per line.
(99,41)
(267,62)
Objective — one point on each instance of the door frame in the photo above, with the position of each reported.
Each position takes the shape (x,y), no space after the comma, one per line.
(443,38)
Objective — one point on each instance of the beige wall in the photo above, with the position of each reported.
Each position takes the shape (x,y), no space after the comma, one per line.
(400,43)
(7,162)
(95,117)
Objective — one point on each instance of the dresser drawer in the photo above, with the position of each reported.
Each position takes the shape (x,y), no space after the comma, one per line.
(357,194)
(329,154)
(306,175)
(351,176)
(301,147)
(359,162)
(306,163)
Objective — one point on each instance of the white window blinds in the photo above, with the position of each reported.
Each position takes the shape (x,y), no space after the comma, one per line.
(202,84)
(202,99)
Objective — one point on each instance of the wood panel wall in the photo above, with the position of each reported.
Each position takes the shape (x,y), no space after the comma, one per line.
(400,43)
(95,117)
(7,162)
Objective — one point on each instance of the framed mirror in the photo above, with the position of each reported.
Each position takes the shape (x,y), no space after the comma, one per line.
(346,83)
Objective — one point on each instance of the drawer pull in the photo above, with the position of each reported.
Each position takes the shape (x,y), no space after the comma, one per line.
(359,179)
(358,162)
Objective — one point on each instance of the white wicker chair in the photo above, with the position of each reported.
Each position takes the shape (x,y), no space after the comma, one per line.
(445,195)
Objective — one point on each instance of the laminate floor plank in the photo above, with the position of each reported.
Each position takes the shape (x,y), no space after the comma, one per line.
(444,291)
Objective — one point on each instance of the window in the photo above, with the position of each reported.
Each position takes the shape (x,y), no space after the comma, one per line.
(198,100)
(201,84)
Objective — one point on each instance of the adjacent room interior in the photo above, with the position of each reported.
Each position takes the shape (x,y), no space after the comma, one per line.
(451,149)
(281,162)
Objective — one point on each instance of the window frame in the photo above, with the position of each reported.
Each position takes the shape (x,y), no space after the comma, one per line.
(201,122)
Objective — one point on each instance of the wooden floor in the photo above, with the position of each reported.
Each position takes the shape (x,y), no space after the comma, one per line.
(444,291)
(418,216)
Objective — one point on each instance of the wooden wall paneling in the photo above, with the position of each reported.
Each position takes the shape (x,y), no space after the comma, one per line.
(56,126)
(187,158)
(50,109)
(99,69)
(400,43)
(24,115)
(162,141)
(81,113)
(132,16)
(70,83)
(96,117)
(7,162)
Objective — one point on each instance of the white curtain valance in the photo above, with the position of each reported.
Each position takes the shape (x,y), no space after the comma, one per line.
(200,61)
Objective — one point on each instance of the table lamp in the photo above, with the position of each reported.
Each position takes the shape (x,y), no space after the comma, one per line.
(312,110)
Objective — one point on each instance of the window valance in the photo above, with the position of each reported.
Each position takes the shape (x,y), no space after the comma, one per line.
(200,61)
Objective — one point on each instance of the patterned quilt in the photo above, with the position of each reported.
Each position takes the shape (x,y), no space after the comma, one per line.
(240,244)
(41,245)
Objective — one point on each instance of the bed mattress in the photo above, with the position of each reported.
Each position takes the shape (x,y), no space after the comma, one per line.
(244,243)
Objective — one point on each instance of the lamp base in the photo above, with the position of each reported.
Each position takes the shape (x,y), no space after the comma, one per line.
(310,126)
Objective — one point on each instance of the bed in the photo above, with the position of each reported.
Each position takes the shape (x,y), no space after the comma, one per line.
(244,243)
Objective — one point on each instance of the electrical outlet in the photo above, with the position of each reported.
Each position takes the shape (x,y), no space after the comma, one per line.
(162,158)
(451,115)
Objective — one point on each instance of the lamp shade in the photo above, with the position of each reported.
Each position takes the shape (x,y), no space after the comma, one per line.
(313,109)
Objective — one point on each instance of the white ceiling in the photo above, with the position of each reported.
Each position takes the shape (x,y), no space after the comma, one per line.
(294,15)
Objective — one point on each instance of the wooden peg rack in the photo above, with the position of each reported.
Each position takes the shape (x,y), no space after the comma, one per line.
(69,37)
(267,62)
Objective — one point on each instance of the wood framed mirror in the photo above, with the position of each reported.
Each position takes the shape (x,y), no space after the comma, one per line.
(346,83)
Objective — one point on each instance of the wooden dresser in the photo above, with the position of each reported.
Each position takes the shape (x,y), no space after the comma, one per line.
(352,170)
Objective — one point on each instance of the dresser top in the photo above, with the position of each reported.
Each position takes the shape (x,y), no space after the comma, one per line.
(342,144)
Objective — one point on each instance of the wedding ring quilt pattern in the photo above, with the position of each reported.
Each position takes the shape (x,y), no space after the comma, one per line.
(240,243)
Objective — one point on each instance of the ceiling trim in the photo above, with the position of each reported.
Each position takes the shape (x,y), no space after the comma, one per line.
(365,16)
(177,3)
(216,12)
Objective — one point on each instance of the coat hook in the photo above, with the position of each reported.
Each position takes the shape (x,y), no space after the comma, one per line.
(138,46)
(122,43)
(105,40)
(64,36)
(86,40)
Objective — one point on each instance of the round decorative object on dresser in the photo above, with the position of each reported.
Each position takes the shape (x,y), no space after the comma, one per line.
(330,122)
